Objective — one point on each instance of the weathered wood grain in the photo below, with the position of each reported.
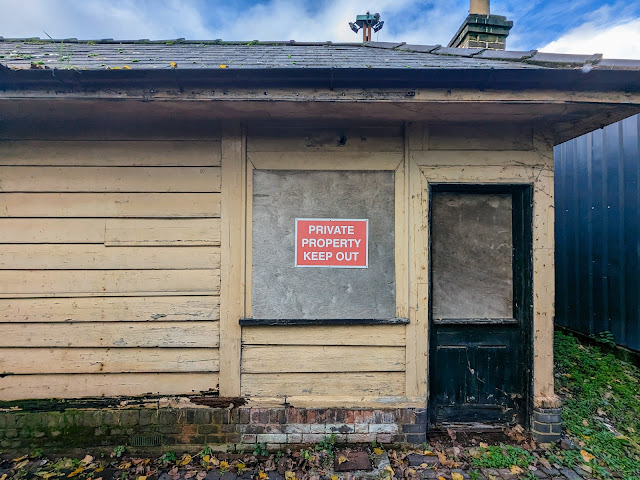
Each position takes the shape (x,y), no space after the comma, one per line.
(100,205)
(481,136)
(184,231)
(109,179)
(318,359)
(315,384)
(480,158)
(368,335)
(320,138)
(326,160)
(107,360)
(118,334)
(16,387)
(86,257)
(110,309)
(78,283)
(110,153)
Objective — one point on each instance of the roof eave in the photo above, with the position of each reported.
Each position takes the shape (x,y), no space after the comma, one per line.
(364,78)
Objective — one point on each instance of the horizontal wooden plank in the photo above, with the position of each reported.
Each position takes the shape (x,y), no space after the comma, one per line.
(100,283)
(109,334)
(87,257)
(110,309)
(109,179)
(315,358)
(389,335)
(21,387)
(316,384)
(478,136)
(110,205)
(314,138)
(112,231)
(107,360)
(480,158)
(111,153)
(52,230)
(186,231)
(326,160)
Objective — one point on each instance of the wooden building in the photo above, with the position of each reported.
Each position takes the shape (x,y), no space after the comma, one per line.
(150,193)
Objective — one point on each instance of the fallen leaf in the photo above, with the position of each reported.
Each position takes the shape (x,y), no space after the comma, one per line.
(441,478)
(263,476)
(201,475)
(342,459)
(584,422)
(76,472)
(19,459)
(456,476)
(516,470)
(289,475)
(241,467)
(184,460)
(173,64)
(334,477)
(428,452)
(142,477)
(87,459)
(412,471)
(124,466)
(222,66)
(587,457)
(378,451)
(484,445)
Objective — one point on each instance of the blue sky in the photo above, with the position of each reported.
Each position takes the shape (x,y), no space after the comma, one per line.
(611,27)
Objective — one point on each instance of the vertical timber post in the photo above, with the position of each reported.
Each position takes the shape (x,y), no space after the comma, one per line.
(233,172)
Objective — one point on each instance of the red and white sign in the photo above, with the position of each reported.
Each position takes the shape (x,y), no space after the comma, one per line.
(332,243)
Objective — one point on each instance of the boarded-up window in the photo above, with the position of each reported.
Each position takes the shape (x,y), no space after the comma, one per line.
(471,256)
(282,291)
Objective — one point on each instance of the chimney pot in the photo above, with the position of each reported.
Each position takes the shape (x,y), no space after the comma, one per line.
(479,7)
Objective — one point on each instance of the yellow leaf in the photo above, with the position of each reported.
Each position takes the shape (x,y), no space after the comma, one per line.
(516,470)
(206,458)
(20,465)
(378,451)
(342,459)
(289,475)
(456,476)
(185,460)
(100,469)
(241,467)
(586,456)
(19,459)
(142,477)
(224,465)
(222,66)
(428,452)
(173,64)
(484,445)
(124,466)
(411,471)
(334,477)
(126,67)
(76,472)
(262,475)
(441,478)
(47,475)
(3,476)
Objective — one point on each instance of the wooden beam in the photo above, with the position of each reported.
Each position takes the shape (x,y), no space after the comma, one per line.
(232,246)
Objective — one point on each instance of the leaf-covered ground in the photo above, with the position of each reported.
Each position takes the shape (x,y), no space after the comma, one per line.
(601,408)
(601,416)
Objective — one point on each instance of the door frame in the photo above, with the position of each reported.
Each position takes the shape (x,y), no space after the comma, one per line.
(522,265)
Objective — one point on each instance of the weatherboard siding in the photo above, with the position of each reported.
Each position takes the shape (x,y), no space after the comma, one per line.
(109,267)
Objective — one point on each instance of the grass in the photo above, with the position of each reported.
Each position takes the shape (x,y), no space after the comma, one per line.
(601,409)
(503,456)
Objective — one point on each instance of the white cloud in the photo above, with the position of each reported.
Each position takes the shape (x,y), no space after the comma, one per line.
(621,40)
(411,21)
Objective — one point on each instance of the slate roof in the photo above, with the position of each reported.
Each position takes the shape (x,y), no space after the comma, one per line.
(147,55)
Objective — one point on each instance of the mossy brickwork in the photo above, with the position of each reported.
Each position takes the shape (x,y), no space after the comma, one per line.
(239,428)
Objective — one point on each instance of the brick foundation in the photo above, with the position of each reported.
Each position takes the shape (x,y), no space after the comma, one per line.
(231,429)
(546,425)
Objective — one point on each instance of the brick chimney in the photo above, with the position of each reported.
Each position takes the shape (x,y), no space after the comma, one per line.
(481,29)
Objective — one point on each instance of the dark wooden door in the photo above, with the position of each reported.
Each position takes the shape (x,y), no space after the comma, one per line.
(480,304)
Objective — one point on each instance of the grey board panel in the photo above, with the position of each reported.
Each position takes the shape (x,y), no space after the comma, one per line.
(471,256)
(279,289)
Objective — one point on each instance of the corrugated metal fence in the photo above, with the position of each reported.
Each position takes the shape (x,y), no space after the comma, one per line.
(598,232)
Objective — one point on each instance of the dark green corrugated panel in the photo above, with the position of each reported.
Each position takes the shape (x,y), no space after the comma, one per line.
(598,232)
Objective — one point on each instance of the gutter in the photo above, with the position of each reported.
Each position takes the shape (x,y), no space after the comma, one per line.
(69,81)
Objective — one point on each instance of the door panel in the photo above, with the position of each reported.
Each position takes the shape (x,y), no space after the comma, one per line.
(477,368)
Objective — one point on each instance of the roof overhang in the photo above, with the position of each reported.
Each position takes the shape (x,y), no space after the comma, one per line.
(565,102)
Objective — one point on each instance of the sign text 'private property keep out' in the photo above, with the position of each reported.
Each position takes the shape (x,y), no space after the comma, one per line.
(333,243)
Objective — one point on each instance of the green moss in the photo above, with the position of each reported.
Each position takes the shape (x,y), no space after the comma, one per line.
(602,404)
